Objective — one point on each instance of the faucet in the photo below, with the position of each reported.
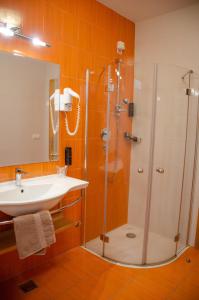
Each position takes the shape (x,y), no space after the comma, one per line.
(18,176)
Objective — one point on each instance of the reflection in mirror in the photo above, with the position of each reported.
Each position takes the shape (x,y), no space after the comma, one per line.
(54,122)
(27,115)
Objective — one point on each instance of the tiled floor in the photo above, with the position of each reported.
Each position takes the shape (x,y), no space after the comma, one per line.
(80,275)
(126,250)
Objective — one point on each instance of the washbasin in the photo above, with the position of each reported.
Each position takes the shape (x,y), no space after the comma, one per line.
(35,194)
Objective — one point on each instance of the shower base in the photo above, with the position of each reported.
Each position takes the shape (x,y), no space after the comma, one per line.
(129,250)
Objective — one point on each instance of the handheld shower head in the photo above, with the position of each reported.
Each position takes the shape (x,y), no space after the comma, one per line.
(125,101)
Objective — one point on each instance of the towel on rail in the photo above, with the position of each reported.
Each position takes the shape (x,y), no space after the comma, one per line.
(34,233)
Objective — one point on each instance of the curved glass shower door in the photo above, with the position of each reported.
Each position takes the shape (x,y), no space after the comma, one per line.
(168,163)
(145,162)
(140,145)
(126,188)
(191,80)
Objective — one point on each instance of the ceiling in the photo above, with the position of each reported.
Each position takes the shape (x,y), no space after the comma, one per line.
(138,10)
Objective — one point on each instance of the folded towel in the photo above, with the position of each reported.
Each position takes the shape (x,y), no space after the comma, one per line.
(34,233)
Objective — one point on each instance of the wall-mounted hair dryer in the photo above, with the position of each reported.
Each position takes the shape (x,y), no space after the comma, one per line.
(63,102)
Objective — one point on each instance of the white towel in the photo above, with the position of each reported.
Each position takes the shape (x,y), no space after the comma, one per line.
(34,233)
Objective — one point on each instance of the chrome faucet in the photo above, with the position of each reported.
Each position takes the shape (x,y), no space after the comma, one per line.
(18,176)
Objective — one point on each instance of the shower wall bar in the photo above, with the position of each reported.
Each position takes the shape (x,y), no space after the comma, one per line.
(53,212)
(106,157)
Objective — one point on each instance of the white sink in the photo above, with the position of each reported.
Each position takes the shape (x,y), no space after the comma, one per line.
(36,194)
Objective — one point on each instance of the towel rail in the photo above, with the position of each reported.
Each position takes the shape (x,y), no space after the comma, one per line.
(53,212)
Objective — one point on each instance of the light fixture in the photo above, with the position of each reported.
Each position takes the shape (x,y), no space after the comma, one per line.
(37,42)
(10,31)
(6,31)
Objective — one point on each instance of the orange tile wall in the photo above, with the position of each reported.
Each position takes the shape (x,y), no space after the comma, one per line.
(83,34)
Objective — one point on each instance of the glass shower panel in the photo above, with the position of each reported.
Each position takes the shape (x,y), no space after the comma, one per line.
(168,163)
(126,185)
(96,121)
(118,159)
(191,80)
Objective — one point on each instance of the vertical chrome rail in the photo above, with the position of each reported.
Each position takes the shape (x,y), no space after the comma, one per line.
(106,158)
(118,80)
(88,72)
(117,115)
(150,172)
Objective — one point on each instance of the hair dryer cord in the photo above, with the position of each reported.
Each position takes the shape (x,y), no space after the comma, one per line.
(72,133)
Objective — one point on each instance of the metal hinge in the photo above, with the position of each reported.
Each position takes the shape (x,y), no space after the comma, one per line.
(177,238)
(104,238)
(188,92)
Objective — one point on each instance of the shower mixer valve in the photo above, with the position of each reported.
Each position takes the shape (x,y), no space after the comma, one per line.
(119,107)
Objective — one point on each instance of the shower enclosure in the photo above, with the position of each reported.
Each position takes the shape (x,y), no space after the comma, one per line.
(141,146)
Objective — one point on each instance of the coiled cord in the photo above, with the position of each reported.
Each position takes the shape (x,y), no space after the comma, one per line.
(72,133)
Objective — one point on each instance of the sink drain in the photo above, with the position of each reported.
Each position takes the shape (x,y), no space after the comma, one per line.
(131,235)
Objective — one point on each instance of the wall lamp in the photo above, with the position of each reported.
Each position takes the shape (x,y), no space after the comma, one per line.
(11,31)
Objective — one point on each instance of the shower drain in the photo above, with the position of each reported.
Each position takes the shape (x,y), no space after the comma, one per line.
(131,235)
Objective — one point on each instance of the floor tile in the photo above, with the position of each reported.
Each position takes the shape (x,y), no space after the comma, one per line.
(80,275)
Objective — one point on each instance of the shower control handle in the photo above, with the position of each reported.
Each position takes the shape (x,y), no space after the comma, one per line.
(105,134)
(160,170)
(129,137)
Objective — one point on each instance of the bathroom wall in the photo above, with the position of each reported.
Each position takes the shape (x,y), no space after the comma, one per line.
(170,38)
(173,39)
(83,34)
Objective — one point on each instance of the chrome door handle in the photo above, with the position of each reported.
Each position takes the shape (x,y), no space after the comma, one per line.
(160,170)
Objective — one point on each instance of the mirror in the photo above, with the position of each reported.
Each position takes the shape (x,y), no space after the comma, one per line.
(27,116)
